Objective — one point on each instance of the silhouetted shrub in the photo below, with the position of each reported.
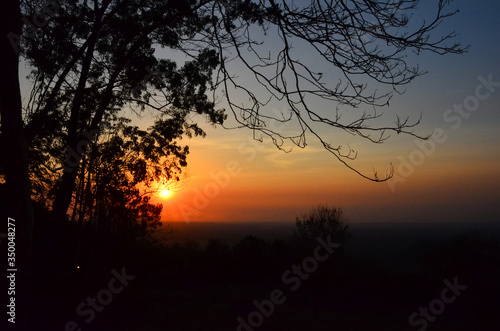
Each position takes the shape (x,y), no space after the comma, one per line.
(321,222)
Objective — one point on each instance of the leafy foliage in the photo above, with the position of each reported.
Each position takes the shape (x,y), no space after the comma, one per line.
(124,163)
(90,62)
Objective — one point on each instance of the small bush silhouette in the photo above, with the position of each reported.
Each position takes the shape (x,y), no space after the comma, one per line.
(322,222)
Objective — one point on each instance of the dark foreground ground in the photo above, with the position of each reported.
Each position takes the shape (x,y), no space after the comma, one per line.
(388,277)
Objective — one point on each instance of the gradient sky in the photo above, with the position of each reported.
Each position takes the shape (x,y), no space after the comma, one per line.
(233,178)
(458,180)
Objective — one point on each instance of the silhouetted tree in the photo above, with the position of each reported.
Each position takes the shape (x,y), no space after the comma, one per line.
(15,193)
(89,70)
(123,163)
(322,222)
(92,59)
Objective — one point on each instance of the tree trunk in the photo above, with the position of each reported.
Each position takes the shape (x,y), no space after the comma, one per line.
(14,151)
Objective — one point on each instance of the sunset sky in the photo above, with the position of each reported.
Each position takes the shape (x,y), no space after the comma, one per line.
(232,178)
(458,180)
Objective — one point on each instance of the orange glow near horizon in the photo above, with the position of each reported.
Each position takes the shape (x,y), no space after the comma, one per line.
(228,186)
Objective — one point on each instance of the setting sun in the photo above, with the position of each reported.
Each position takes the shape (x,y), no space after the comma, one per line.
(165,193)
